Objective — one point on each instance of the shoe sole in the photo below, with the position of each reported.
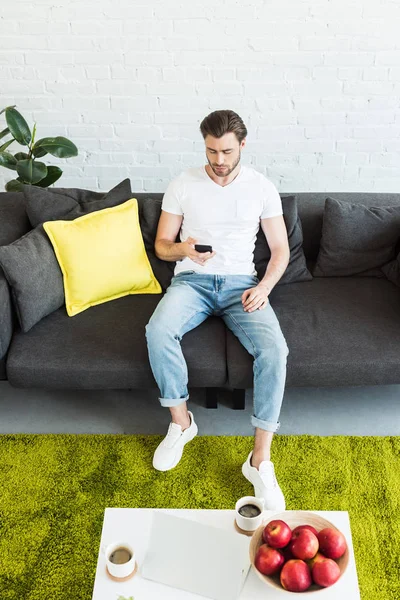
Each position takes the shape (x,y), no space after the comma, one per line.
(179,456)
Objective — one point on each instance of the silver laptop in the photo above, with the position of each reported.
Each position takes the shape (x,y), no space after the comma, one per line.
(195,557)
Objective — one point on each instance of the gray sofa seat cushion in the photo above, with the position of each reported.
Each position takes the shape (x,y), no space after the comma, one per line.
(105,348)
(339,330)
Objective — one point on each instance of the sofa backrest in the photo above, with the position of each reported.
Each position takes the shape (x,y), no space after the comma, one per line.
(14,222)
(310,206)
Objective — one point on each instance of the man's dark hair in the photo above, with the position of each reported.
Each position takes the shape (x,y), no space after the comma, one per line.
(220,122)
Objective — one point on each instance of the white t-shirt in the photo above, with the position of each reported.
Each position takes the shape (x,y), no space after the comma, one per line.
(227,218)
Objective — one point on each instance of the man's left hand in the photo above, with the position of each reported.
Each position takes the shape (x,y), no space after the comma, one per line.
(256,298)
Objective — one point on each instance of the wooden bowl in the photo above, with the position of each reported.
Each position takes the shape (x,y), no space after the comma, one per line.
(293,519)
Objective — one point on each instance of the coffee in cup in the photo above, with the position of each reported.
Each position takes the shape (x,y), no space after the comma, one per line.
(249,513)
(249,510)
(120,556)
(120,559)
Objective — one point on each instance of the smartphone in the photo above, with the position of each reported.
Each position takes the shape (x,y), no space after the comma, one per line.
(202,248)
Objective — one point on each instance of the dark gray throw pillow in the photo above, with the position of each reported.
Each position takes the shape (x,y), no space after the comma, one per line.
(149,215)
(30,264)
(36,281)
(49,204)
(356,239)
(296,270)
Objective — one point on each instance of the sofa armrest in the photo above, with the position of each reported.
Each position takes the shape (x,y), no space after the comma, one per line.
(6,316)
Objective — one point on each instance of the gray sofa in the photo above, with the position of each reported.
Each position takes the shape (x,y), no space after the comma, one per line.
(340,330)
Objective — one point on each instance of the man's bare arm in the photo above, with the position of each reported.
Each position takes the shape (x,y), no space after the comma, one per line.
(276,234)
(170,251)
(165,246)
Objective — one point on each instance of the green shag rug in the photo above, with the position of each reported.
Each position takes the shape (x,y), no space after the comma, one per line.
(54,489)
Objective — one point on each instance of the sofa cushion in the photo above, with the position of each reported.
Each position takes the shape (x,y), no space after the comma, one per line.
(30,263)
(311,205)
(105,348)
(35,278)
(102,257)
(14,221)
(48,204)
(149,215)
(339,332)
(356,239)
(297,268)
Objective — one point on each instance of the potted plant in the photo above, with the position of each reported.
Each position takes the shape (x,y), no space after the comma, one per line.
(30,170)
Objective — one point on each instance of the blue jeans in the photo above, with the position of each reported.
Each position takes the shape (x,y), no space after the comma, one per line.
(189,300)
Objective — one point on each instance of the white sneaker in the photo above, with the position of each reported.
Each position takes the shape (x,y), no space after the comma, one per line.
(168,453)
(265,484)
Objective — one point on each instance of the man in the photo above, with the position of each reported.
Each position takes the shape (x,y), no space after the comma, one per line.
(221,204)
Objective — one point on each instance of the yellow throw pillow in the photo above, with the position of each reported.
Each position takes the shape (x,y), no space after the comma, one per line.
(102,257)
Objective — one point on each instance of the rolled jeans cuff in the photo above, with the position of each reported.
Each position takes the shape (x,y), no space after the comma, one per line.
(266,425)
(173,401)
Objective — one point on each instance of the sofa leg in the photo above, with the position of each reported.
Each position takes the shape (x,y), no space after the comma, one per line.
(238,398)
(211,398)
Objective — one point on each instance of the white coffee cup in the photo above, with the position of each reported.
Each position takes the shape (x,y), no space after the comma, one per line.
(249,523)
(122,569)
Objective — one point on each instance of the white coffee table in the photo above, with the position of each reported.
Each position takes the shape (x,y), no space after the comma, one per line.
(134,525)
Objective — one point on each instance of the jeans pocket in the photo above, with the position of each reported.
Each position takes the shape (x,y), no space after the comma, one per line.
(184,273)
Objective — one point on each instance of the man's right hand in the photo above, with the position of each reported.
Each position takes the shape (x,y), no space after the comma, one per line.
(198,257)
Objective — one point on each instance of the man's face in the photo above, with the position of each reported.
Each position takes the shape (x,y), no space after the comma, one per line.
(223,154)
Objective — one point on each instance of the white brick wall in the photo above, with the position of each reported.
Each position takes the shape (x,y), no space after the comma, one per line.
(317,83)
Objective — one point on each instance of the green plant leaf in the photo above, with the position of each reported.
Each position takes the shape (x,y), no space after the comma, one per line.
(31,171)
(4,132)
(8,160)
(21,155)
(4,146)
(53,173)
(38,152)
(18,126)
(33,134)
(58,146)
(14,186)
(4,109)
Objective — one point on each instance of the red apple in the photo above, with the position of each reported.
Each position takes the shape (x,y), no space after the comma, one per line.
(286,552)
(332,542)
(310,527)
(295,576)
(317,558)
(268,560)
(277,534)
(325,572)
(304,544)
